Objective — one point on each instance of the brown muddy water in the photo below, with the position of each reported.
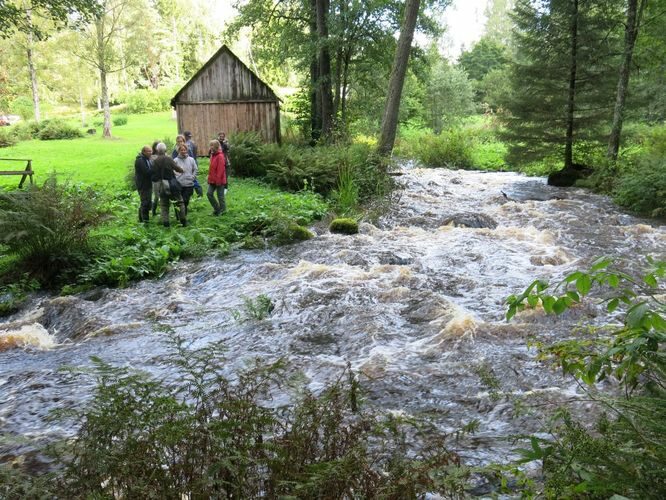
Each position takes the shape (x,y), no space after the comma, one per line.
(414,303)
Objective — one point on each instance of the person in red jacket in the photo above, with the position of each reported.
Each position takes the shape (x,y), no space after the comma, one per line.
(217,178)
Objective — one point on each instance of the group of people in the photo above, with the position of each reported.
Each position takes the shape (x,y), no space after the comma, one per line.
(162,179)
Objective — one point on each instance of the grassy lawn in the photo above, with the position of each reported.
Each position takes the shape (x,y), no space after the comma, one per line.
(93,159)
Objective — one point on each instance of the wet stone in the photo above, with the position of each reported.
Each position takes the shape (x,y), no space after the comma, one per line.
(474,221)
(69,317)
(396,259)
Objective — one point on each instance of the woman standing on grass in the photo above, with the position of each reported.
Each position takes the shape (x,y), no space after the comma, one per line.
(187,177)
(217,178)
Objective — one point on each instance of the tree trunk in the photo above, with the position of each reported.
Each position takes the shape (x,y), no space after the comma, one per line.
(630,35)
(101,64)
(324,63)
(31,67)
(174,31)
(83,109)
(337,84)
(105,104)
(568,147)
(345,86)
(397,80)
(315,101)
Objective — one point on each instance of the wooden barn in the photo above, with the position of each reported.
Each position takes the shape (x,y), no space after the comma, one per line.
(224,95)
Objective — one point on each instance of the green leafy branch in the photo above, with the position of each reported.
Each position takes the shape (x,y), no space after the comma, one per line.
(632,351)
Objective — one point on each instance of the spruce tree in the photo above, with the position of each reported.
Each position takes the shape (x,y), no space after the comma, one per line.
(563,77)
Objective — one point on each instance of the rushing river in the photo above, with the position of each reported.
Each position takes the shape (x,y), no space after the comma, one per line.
(414,303)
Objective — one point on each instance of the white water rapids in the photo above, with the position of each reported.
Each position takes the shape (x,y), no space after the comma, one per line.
(415,305)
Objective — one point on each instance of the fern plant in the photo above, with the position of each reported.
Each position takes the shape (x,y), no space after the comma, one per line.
(47,227)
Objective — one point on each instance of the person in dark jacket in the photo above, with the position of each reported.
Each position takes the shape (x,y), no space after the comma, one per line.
(217,178)
(163,169)
(156,186)
(142,178)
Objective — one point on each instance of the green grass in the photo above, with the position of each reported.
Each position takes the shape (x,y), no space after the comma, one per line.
(92,159)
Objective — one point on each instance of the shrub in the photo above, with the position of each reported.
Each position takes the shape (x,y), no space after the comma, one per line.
(120,120)
(317,168)
(7,138)
(23,107)
(247,155)
(147,100)
(57,129)
(643,189)
(26,131)
(47,227)
(344,226)
(450,149)
(203,435)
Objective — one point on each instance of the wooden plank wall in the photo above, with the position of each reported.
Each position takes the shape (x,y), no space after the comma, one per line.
(206,120)
(226,79)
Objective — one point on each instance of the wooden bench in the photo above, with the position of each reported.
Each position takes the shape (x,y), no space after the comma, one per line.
(26,172)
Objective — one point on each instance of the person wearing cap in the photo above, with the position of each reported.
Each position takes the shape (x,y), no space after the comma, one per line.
(192,151)
(191,145)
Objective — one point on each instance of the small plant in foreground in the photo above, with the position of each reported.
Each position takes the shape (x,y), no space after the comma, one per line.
(256,309)
(625,453)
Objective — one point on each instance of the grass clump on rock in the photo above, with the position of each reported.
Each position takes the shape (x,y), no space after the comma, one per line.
(344,226)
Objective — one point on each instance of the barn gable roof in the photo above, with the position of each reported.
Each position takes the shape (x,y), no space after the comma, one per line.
(224,78)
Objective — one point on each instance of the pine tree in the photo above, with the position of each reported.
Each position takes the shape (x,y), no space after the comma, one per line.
(563,80)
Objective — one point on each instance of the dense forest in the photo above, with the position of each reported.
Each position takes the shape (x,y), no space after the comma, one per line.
(406,345)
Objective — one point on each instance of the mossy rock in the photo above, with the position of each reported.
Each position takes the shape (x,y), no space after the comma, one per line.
(293,233)
(343,226)
(300,233)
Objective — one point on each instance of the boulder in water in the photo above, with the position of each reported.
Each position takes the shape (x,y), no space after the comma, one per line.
(475,221)
(569,175)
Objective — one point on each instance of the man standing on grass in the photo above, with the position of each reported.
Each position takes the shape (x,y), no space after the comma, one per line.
(164,169)
(143,167)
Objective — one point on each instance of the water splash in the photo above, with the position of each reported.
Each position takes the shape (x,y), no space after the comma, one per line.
(27,336)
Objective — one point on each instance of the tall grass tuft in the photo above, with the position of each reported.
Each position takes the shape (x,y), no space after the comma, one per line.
(47,227)
(346,196)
